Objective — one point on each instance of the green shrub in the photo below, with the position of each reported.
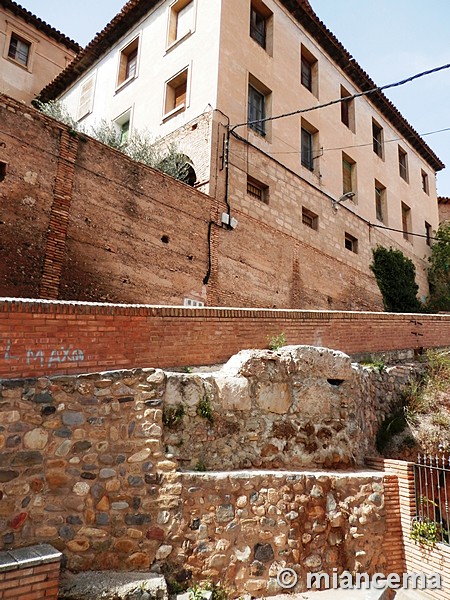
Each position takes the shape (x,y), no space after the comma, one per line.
(276,341)
(173,415)
(424,531)
(395,275)
(204,409)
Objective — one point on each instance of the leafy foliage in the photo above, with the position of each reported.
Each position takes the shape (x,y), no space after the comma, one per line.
(276,341)
(424,531)
(395,275)
(173,415)
(439,271)
(139,147)
(204,409)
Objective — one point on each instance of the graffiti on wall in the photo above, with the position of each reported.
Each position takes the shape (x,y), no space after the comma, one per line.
(44,358)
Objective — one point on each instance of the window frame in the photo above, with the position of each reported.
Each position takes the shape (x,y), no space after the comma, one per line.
(261,11)
(263,189)
(406,221)
(175,8)
(255,89)
(312,133)
(308,62)
(351,243)
(347,160)
(380,202)
(348,110)
(170,107)
(310,219)
(425,182)
(403,164)
(131,49)
(378,139)
(25,37)
(91,80)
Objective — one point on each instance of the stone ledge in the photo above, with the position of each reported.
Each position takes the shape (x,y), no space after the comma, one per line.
(12,560)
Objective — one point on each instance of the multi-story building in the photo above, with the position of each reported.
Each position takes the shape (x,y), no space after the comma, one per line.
(202,71)
(32,53)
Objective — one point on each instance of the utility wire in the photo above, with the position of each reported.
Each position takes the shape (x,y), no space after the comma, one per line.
(346,98)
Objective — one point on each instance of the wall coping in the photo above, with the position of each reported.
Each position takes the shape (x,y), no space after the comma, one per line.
(12,560)
(30,305)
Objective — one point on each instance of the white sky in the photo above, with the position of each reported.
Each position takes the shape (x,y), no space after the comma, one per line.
(391,40)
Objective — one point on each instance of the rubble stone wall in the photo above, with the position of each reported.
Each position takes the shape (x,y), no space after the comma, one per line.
(89,464)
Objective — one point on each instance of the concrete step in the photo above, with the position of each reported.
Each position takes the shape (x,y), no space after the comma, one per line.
(108,585)
(338,594)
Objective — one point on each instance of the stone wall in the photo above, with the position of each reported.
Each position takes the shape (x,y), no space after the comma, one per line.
(93,465)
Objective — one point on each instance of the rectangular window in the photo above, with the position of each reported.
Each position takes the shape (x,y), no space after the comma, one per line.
(309,218)
(128,62)
(348,174)
(309,71)
(406,221)
(403,164)
(181,20)
(3,167)
(307,150)
(425,185)
(257,190)
(428,233)
(347,110)
(377,133)
(19,50)
(256,110)
(258,26)
(351,243)
(86,100)
(380,202)
(176,93)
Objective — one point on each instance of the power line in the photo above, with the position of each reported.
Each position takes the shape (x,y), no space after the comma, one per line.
(346,98)
(399,139)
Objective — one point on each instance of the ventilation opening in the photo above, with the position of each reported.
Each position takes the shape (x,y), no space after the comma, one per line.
(165,239)
(336,382)
(2,170)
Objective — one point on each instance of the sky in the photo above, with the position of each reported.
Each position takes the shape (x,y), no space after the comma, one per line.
(390,39)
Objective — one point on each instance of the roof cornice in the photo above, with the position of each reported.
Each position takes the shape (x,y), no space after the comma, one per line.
(301,10)
(40,25)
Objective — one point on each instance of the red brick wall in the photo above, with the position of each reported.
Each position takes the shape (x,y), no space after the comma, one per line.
(418,558)
(41,338)
(34,583)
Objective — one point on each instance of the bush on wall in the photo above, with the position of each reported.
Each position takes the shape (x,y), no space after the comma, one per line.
(396,278)
(439,272)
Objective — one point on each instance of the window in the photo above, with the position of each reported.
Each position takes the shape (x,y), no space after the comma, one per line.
(347,110)
(428,233)
(309,218)
(256,110)
(258,27)
(123,126)
(351,243)
(128,62)
(309,71)
(348,174)
(86,100)
(307,150)
(425,185)
(257,190)
(176,93)
(380,202)
(403,164)
(377,133)
(3,167)
(19,49)
(406,221)
(181,20)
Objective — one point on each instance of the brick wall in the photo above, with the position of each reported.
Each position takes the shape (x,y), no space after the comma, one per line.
(38,337)
(418,558)
(80,221)
(30,573)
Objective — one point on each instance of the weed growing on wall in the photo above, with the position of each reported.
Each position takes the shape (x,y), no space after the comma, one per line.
(424,531)
(396,278)
(276,341)
(204,409)
(173,415)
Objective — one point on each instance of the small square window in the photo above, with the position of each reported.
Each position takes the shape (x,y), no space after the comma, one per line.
(309,71)
(351,243)
(403,164)
(257,190)
(309,219)
(128,62)
(428,233)
(377,134)
(181,20)
(176,93)
(425,185)
(19,49)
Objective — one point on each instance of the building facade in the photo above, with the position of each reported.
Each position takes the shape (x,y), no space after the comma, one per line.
(32,53)
(336,180)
